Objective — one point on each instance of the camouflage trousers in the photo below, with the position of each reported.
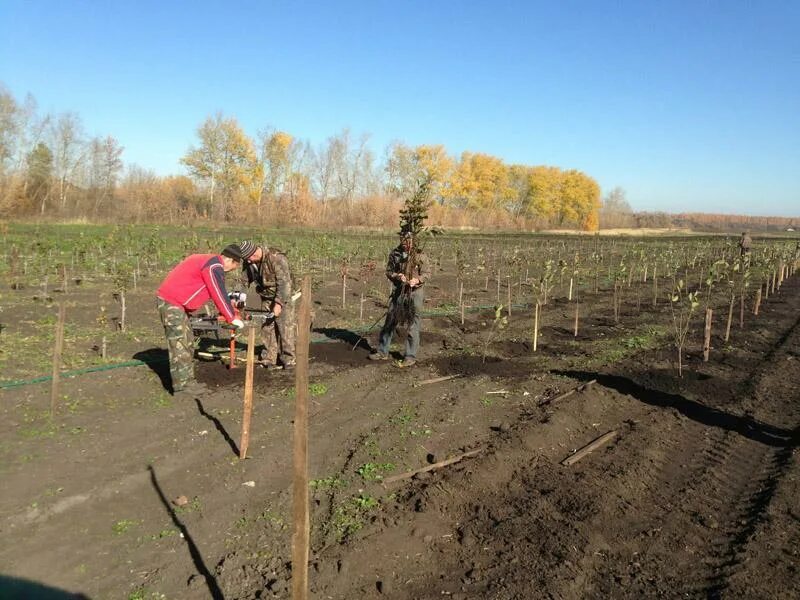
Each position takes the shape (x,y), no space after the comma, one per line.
(278,336)
(180,343)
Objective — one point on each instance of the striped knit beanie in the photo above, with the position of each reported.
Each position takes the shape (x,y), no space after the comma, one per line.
(248,249)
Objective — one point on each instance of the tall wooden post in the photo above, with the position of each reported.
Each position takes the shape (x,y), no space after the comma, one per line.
(536,326)
(300,521)
(58,347)
(247,411)
(707,336)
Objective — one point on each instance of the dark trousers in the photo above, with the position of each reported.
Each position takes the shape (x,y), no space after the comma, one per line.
(390,324)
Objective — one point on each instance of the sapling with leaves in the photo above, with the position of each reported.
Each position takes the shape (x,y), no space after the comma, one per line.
(716,273)
(683,305)
(365,271)
(461,270)
(122,277)
(499,323)
(344,269)
(541,291)
(620,275)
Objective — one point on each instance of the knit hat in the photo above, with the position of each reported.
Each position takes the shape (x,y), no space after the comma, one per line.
(248,248)
(232,251)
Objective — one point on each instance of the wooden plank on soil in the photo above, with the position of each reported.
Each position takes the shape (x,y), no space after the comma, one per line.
(580,388)
(436,465)
(438,379)
(590,447)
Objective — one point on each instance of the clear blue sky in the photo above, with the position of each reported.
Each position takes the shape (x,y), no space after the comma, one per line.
(691,105)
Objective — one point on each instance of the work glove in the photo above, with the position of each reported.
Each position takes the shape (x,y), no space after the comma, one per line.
(238,323)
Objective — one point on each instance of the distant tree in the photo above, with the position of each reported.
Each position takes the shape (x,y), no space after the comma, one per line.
(39,175)
(580,200)
(544,192)
(615,210)
(69,151)
(479,182)
(225,161)
(406,167)
(105,168)
(277,149)
(9,127)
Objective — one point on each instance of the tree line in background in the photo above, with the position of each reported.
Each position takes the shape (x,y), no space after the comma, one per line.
(50,167)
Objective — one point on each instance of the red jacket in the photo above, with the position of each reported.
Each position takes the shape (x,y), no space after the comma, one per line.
(196,279)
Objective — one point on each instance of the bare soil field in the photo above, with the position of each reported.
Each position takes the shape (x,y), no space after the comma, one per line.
(696,495)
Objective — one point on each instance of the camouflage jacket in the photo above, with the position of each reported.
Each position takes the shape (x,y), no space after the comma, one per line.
(397,265)
(272,276)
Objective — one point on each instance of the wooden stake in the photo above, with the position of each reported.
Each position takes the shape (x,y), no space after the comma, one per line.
(247,410)
(58,347)
(122,310)
(590,447)
(758,301)
(570,289)
(707,336)
(300,521)
(535,326)
(730,319)
(576,317)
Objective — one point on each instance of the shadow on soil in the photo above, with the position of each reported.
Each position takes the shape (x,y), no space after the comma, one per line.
(351,338)
(158,361)
(197,557)
(12,588)
(712,417)
(218,426)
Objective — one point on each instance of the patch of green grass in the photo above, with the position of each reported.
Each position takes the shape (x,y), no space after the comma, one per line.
(45,431)
(374,471)
(350,516)
(404,416)
(162,399)
(314,389)
(122,526)
(487,401)
(193,506)
(142,593)
(333,482)
(616,349)
(164,533)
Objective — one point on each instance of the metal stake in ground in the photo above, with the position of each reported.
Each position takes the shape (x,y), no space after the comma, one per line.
(248,391)
(300,520)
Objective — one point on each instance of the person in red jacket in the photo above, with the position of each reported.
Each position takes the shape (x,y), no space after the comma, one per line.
(195,280)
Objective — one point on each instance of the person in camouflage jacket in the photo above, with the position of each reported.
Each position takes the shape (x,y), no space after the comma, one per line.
(268,268)
(408,270)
